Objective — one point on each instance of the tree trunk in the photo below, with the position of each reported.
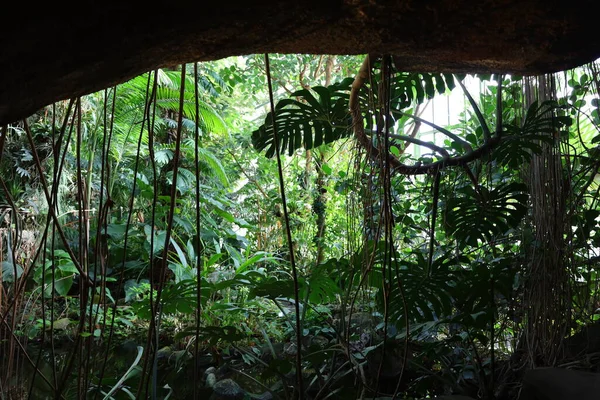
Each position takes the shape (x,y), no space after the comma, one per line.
(547,299)
(320,201)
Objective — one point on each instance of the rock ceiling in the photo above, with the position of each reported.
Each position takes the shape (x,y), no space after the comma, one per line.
(56,50)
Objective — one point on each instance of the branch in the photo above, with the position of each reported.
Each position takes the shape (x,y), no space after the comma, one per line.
(316,71)
(357,119)
(250,179)
(299,377)
(278,81)
(486,130)
(301,76)
(499,106)
(52,206)
(450,162)
(282,84)
(434,209)
(416,125)
(412,140)
(438,128)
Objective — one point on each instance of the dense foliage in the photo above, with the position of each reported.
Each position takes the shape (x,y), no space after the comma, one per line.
(145,236)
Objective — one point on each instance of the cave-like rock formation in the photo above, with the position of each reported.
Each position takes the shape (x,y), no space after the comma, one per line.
(56,50)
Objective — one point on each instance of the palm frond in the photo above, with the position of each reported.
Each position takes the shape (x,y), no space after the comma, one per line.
(164,153)
(132,100)
(214,165)
(209,118)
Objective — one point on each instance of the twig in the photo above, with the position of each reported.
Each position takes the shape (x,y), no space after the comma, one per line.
(250,179)
(51,210)
(434,207)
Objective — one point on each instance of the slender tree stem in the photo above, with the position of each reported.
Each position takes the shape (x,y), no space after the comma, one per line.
(299,383)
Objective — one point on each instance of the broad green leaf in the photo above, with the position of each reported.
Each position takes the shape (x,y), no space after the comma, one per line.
(480,215)
(63,285)
(8,271)
(116,231)
(308,121)
(258,257)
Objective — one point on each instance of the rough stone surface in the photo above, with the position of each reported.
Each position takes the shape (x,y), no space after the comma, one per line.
(227,389)
(560,384)
(211,380)
(263,396)
(56,50)
(586,341)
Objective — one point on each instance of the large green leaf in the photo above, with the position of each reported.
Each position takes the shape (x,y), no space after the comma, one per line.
(427,293)
(480,215)
(63,284)
(406,90)
(321,115)
(473,297)
(540,127)
(180,297)
(409,87)
(314,117)
(8,271)
(321,286)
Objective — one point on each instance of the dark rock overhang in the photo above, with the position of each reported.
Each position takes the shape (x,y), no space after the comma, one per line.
(56,50)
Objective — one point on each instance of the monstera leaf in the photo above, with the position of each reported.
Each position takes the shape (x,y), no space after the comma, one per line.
(539,128)
(426,292)
(473,297)
(480,215)
(320,115)
(321,285)
(313,118)
(407,88)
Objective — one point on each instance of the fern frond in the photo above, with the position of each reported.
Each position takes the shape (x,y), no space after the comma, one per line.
(164,153)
